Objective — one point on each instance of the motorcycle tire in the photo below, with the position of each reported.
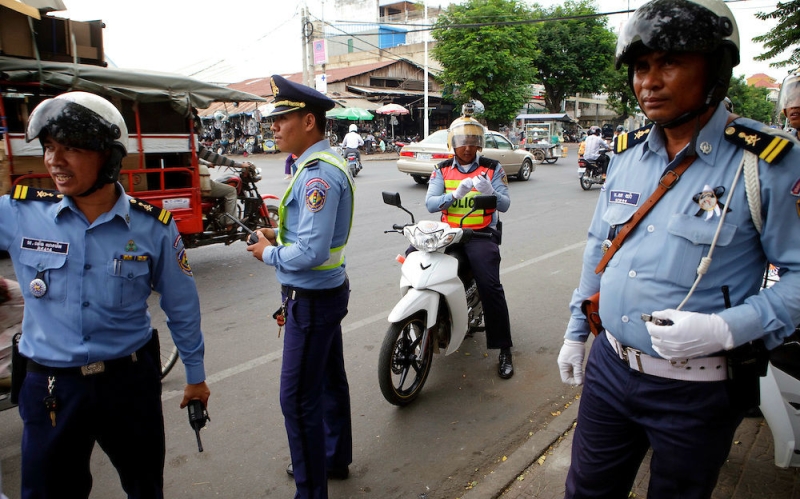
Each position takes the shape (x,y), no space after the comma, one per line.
(402,372)
(586,182)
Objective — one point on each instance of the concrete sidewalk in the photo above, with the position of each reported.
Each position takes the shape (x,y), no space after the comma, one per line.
(539,467)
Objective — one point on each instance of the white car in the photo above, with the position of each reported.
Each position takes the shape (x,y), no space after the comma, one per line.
(418,159)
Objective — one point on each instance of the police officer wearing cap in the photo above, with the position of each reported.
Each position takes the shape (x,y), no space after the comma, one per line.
(452,184)
(678,364)
(307,251)
(87,257)
(789,101)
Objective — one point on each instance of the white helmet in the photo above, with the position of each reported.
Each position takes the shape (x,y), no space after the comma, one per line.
(790,91)
(85,121)
(466,131)
(353,128)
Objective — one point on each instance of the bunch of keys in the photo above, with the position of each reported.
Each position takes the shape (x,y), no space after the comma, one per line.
(280,317)
(50,403)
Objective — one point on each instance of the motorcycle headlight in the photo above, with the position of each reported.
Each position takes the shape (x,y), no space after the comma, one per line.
(429,236)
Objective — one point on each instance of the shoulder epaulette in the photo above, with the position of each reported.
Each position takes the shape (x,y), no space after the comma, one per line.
(488,162)
(26,193)
(163,216)
(768,147)
(627,140)
(314,163)
(444,164)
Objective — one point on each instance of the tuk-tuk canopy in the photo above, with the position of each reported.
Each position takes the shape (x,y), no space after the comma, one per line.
(546,117)
(136,85)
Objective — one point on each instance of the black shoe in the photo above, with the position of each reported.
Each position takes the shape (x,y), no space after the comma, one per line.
(506,367)
(336,474)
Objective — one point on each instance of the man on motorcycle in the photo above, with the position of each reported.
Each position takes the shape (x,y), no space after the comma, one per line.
(452,183)
(351,142)
(595,147)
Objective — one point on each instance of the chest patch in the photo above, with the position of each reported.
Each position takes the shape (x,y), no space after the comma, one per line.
(624,197)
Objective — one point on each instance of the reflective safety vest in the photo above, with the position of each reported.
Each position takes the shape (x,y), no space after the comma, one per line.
(452,176)
(336,257)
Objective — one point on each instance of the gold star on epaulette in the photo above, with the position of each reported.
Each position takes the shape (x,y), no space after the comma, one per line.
(627,140)
(26,193)
(163,216)
(771,149)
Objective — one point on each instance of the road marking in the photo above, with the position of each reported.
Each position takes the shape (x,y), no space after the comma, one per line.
(353,326)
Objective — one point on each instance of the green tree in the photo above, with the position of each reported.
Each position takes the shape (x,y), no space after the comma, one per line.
(621,98)
(575,51)
(487,54)
(784,36)
(751,102)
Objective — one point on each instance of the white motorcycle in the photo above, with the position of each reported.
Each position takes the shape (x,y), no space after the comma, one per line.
(439,307)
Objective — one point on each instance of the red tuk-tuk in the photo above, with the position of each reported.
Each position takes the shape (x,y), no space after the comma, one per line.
(162,164)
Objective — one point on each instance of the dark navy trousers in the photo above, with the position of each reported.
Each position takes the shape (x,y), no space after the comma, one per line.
(119,409)
(315,395)
(484,260)
(689,425)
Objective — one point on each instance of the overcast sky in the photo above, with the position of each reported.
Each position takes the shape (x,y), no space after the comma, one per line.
(232,40)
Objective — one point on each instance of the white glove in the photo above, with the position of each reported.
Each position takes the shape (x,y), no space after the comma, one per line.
(570,362)
(483,184)
(692,334)
(463,188)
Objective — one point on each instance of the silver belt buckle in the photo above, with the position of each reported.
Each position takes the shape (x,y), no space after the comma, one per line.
(93,368)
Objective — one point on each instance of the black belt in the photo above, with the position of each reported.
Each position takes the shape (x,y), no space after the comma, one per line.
(89,369)
(294,293)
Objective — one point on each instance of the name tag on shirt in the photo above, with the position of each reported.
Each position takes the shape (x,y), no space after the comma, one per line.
(624,197)
(46,246)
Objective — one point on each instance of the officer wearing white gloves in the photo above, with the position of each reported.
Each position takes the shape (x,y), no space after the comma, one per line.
(452,184)
(666,373)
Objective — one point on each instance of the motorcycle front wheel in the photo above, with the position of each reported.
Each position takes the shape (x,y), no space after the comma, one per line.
(402,368)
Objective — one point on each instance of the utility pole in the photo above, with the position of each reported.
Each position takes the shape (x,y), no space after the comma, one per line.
(426,120)
(304,38)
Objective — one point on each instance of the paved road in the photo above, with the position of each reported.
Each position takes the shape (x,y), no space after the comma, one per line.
(466,420)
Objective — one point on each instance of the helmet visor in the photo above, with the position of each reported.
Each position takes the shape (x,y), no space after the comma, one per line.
(673,26)
(467,134)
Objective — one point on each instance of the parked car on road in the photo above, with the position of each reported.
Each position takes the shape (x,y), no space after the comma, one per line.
(419,158)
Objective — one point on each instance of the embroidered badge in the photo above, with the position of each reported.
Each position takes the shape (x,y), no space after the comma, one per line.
(316,193)
(708,200)
(178,243)
(624,197)
(131,246)
(183,262)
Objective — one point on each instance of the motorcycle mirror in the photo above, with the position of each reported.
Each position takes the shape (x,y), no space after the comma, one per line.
(391,198)
(485,202)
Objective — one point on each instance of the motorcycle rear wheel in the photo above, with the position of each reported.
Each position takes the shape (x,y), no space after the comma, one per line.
(402,372)
(586,183)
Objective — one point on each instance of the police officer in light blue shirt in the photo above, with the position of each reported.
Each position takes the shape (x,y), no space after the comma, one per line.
(672,370)
(307,251)
(87,257)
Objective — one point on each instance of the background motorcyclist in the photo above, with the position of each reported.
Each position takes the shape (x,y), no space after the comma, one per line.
(452,183)
(789,101)
(595,145)
(351,142)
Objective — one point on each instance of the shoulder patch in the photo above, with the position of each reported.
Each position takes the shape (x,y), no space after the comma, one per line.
(627,140)
(163,216)
(25,193)
(769,148)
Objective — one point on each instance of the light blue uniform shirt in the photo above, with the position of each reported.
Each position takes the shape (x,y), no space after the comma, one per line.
(98,279)
(657,263)
(318,214)
(437,200)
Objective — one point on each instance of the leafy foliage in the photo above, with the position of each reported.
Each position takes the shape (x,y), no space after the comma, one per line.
(574,55)
(784,36)
(621,98)
(751,102)
(491,63)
